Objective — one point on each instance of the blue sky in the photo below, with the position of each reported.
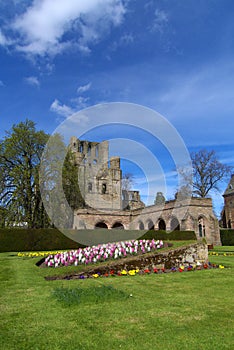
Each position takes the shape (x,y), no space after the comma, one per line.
(175,57)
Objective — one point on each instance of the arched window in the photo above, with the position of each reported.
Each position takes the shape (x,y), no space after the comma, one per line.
(103,188)
(175,225)
(201,227)
(161,225)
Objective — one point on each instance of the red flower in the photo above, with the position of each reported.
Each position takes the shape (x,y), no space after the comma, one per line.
(146,271)
(155,270)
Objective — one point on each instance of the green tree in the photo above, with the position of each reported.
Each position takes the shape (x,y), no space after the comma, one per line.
(20,152)
(71,183)
(59,182)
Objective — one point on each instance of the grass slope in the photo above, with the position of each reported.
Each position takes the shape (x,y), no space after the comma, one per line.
(168,311)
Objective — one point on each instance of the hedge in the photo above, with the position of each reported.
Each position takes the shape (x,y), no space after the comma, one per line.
(170,236)
(227,236)
(19,239)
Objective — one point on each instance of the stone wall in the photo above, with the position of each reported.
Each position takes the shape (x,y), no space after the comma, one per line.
(194,215)
(228,212)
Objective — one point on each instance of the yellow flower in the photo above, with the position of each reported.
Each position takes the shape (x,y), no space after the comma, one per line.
(221,266)
(123,272)
(132,272)
(95,275)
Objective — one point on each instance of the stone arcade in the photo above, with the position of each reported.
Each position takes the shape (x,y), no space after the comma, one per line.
(107,206)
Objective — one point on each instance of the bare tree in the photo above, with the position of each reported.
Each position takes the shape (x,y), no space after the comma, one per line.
(127,182)
(208,171)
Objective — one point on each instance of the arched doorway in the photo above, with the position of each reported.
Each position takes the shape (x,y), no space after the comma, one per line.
(118,225)
(150,225)
(161,225)
(100,224)
(175,225)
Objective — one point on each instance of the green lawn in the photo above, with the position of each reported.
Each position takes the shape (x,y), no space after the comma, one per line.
(192,310)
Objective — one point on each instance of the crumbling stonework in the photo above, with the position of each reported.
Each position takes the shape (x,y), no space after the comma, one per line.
(110,207)
(228,212)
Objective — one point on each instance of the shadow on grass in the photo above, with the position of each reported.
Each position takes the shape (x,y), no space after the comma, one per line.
(95,294)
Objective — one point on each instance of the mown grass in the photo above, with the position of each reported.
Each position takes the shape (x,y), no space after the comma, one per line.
(192,310)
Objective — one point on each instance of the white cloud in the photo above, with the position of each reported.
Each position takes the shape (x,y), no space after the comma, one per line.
(83,88)
(3,40)
(32,81)
(1,83)
(61,109)
(77,103)
(160,21)
(81,102)
(42,26)
(125,40)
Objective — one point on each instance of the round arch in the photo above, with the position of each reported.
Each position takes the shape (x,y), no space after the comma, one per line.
(118,225)
(100,224)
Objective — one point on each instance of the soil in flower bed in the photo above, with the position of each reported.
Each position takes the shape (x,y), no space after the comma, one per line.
(156,262)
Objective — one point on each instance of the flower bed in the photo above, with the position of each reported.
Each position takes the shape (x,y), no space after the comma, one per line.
(148,270)
(102,252)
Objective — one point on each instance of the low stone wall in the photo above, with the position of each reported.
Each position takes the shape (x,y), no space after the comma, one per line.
(173,258)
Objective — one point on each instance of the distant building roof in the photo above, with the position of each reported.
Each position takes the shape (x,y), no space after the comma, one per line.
(230,187)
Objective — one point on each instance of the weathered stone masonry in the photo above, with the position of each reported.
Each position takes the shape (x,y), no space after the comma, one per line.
(100,184)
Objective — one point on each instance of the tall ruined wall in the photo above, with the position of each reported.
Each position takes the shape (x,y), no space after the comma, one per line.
(99,177)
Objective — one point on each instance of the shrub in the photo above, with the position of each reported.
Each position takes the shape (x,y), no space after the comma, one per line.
(227,236)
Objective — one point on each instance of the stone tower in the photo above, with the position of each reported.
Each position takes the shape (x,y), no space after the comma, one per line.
(228,212)
(99,177)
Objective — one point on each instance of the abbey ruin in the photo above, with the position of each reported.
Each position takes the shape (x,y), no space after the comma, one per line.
(109,206)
